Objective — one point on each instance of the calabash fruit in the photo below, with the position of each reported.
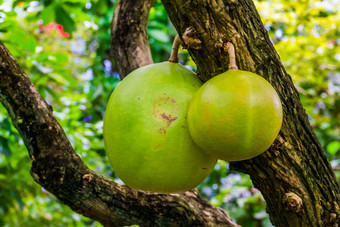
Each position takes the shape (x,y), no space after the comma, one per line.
(235,116)
(146,134)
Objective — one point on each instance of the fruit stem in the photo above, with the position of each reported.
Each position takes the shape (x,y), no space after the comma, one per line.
(232,59)
(174,51)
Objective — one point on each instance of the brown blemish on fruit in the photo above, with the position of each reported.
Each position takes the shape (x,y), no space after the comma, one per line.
(165,110)
(162,130)
(156,147)
(169,118)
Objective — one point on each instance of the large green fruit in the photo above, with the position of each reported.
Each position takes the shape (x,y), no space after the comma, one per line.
(235,116)
(146,134)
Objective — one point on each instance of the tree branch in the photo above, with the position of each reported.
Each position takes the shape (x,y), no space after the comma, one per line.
(295,164)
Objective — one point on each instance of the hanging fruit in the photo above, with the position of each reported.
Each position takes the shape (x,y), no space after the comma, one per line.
(235,115)
(146,134)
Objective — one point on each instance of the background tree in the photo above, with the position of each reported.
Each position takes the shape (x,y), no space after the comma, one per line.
(87,101)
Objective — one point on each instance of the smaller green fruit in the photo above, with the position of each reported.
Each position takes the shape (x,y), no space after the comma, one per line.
(235,116)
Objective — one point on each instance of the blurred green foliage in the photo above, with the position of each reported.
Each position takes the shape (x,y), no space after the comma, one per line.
(63,46)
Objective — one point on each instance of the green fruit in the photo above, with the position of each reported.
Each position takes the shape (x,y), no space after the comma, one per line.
(146,134)
(235,116)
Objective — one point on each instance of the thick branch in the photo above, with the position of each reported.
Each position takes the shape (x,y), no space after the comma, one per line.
(295,164)
(129,40)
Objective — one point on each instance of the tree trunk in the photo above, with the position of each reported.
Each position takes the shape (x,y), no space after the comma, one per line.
(294,175)
(129,39)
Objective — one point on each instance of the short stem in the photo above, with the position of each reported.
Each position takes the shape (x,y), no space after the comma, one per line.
(232,59)
(174,51)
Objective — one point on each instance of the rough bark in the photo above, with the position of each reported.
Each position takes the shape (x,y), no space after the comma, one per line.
(294,175)
(129,39)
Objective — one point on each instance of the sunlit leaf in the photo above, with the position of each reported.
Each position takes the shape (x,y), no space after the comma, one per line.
(18,199)
(48,14)
(63,18)
(333,147)
(22,40)
(4,147)
(159,35)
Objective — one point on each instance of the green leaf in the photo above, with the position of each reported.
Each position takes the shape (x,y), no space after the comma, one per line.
(23,40)
(3,176)
(62,79)
(70,79)
(48,14)
(61,58)
(157,25)
(159,35)
(333,147)
(51,92)
(98,92)
(6,124)
(4,147)
(101,6)
(6,25)
(63,18)
(18,199)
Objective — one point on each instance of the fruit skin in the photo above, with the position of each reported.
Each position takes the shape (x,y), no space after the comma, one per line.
(146,134)
(239,115)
